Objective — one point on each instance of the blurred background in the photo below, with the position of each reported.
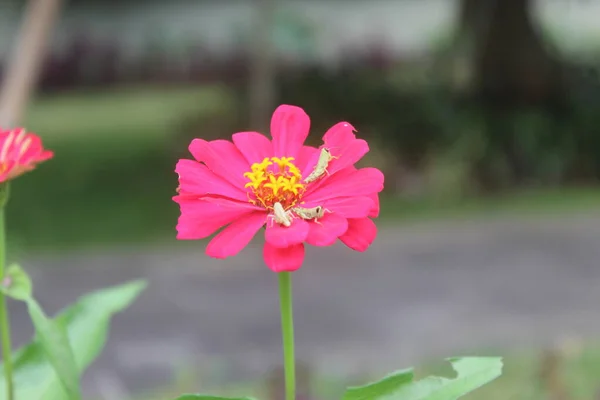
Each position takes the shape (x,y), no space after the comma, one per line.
(483,114)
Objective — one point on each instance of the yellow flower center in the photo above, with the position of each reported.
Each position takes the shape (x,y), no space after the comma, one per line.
(275,180)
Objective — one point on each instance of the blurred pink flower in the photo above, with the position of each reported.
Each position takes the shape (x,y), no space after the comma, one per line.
(238,185)
(20,152)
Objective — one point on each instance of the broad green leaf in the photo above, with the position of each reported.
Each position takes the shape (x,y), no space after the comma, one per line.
(472,373)
(206,397)
(86,323)
(17,283)
(382,388)
(52,336)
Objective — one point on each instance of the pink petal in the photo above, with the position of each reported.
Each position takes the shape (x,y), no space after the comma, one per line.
(33,151)
(253,145)
(327,230)
(286,259)
(350,207)
(196,178)
(201,218)
(236,235)
(339,134)
(361,182)
(224,204)
(348,155)
(289,128)
(346,172)
(9,166)
(282,236)
(342,143)
(20,152)
(375,210)
(360,234)
(306,160)
(222,158)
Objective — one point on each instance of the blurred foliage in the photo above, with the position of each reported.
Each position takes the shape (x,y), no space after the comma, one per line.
(408,106)
(421,124)
(526,375)
(405,122)
(85,323)
(112,178)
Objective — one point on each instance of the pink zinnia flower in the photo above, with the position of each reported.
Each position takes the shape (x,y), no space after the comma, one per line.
(242,186)
(20,152)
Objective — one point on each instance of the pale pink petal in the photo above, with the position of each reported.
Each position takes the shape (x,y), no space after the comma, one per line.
(286,259)
(28,150)
(282,236)
(236,235)
(360,234)
(222,158)
(254,146)
(306,160)
(201,218)
(343,145)
(289,128)
(196,178)
(326,230)
(375,210)
(20,152)
(350,207)
(361,182)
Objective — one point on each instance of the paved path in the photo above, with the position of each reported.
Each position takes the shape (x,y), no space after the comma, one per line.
(427,290)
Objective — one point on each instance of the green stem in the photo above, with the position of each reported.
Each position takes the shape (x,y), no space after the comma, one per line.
(287,332)
(4,320)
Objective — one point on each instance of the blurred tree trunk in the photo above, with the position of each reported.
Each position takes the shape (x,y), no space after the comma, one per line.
(512,66)
(512,69)
(263,68)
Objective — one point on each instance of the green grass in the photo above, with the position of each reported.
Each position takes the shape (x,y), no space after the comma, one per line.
(143,113)
(112,178)
(578,376)
(531,202)
(521,379)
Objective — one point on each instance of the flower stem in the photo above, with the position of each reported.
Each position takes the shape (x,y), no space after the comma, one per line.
(4,320)
(287,332)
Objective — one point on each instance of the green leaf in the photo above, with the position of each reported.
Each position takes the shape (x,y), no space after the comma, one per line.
(384,387)
(51,335)
(206,397)
(472,373)
(17,283)
(86,323)
(55,343)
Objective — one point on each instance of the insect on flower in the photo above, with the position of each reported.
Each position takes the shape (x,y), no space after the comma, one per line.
(325,158)
(314,213)
(238,187)
(280,215)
